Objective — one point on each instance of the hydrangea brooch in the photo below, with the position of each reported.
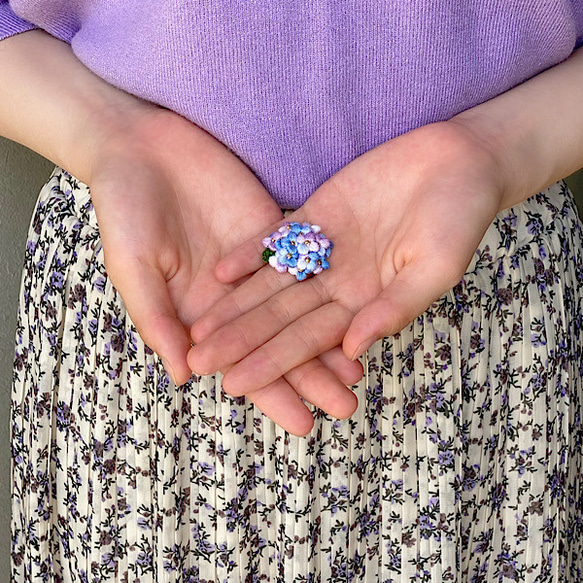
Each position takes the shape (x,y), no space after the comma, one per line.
(298,248)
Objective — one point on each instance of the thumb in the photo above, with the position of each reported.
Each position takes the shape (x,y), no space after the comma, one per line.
(409,294)
(145,293)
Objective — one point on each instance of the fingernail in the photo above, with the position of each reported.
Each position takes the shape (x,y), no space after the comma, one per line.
(169,370)
(363,347)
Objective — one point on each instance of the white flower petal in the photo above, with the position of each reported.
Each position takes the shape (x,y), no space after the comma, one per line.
(278,266)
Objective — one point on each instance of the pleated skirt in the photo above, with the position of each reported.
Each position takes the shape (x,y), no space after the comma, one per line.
(463,462)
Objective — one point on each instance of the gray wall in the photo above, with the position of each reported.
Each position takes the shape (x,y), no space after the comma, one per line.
(22,173)
(575,183)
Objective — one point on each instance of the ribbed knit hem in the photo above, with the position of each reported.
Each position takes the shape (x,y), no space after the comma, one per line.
(10,24)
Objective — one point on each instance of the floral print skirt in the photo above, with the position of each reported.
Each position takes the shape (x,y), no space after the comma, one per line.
(463,462)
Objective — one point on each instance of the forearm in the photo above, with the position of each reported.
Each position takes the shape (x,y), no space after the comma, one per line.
(535,131)
(51,103)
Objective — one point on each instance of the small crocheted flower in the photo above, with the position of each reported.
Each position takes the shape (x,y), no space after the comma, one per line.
(298,248)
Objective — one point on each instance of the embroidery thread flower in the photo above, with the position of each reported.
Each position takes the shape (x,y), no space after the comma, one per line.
(301,249)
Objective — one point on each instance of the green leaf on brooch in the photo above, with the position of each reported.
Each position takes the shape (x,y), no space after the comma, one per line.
(267,254)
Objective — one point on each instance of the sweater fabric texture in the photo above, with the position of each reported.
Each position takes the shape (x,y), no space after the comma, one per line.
(298,89)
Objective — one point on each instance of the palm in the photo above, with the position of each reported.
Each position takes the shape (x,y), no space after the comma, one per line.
(405,219)
(165,208)
(169,207)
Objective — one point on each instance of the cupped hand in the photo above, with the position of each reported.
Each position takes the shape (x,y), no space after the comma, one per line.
(170,202)
(405,219)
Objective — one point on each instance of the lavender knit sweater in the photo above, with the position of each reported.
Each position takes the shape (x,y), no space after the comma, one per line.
(298,88)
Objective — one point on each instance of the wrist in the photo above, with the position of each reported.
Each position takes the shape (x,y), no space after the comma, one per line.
(534,131)
(51,103)
(104,126)
(499,147)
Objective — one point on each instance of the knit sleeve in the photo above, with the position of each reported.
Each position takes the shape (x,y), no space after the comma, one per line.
(11,24)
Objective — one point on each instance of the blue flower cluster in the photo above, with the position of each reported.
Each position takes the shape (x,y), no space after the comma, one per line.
(298,248)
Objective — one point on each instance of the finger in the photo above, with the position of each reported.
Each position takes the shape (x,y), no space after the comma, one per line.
(145,294)
(237,339)
(410,293)
(346,370)
(281,403)
(318,385)
(256,290)
(246,258)
(242,261)
(303,340)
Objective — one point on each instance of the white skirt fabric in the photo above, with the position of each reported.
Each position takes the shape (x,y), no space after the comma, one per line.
(463,462)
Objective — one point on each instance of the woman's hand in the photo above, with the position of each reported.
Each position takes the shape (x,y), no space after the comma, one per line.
(170,201)
(405,219)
